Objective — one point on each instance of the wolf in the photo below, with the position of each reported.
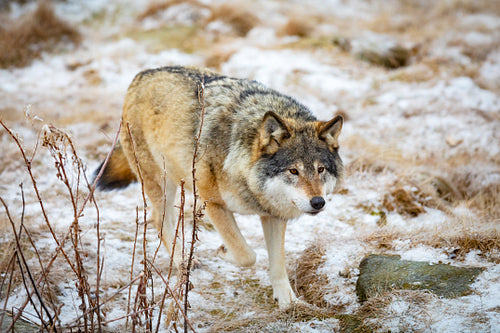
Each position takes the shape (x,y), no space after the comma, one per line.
(260,152)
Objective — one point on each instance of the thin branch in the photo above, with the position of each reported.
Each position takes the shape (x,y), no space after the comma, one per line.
(35,187)
(22,261)
(196,213)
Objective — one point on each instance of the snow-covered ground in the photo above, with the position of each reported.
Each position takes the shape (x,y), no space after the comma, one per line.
(437,118)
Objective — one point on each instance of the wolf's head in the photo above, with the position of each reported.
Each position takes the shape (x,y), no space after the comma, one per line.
(297,163)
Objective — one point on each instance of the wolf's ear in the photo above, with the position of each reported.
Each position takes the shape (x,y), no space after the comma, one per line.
(329,131)
(273,131)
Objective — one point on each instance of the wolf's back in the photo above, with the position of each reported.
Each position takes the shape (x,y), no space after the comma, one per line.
(117,172)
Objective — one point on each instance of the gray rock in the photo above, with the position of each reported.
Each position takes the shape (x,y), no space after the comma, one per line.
(21,325)
(380,273)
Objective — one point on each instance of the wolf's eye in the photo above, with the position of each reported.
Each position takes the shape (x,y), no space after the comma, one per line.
(294,171)
(321,169)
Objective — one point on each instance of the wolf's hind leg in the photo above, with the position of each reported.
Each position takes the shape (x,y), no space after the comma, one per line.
(274,233)
(235,248)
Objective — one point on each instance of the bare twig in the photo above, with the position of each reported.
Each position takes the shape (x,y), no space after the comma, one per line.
(39,197)
(197,214)
(133,261)
(172,294)
(112,296)
(10,272)
(142,290)
(53,135)
(22,262)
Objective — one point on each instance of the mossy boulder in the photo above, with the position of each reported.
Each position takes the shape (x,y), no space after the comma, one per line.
(380,273)
(21,325)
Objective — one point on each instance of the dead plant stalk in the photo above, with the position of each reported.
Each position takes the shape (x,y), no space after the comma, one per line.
(197,213)
(83,286)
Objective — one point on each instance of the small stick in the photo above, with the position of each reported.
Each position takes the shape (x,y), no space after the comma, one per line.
(196,213)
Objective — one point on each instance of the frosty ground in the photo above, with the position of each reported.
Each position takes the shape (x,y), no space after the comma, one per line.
(421,145)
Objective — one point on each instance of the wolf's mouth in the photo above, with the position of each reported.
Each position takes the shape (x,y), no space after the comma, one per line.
(309,212)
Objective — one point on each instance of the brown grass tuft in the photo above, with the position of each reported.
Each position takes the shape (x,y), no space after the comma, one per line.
(217,57)
(159,6)
(407,200)
(241,19)
(365,164)
(297,26)
(373,313)
(33,34)
(487,242)
(383,240)
(308,283)
(485,199)
(395,57)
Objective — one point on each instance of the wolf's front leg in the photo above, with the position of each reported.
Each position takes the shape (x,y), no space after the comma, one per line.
(235,248)
(274,233)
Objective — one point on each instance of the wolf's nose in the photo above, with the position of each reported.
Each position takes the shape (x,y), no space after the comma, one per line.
(317,202)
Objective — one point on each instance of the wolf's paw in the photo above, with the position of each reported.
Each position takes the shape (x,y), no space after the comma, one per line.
(245,259)
(284,295)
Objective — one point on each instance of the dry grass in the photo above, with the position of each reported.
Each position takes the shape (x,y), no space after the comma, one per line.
(41,274)
(308,283)
(237,15)
(366,164)
(405,201)
(310,286)
(462,241)
(463,183)
(483,199)
(217,57)
(374,312)
(427,19)
(487,201)
(155,7)
(383,240)
(371,157)
(394,57)
(32,34)
(297,25)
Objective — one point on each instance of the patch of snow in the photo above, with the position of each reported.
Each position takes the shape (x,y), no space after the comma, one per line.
(180,14)
(424,253)
(490,70)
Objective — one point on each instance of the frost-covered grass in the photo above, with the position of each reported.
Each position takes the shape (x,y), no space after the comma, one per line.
(420,143)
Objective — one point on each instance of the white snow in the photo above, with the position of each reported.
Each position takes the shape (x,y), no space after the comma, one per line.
(411,119)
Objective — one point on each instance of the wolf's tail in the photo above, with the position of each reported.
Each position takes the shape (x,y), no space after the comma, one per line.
(117,174)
